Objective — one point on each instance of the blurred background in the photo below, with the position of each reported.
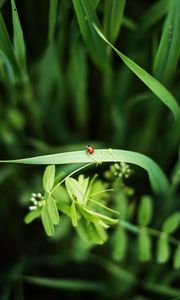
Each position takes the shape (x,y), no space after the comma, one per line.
(61,92)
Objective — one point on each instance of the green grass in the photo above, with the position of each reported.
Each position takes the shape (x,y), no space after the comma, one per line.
(95,72)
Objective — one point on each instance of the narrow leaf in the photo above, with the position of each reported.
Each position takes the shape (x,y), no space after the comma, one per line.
(6,46)
(120,243)
(74,215)
(52,18)
(113,17)
(86,15)
(167,56)
(48,178)
(46,220)
(154,85)
(52,210)
(176,262)
(19,44)
(144,245)
(145,211)
(65,284)
(163,250)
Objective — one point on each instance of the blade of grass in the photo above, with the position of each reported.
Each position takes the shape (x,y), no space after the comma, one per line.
(52,19)
(153,15)
(65,284)
(157,178)
(168,53)
(18,38)
(154,85)
(86,15)
(6,46)
(113,17)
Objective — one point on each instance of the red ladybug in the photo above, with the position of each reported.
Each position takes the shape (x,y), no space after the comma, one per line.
(90,149)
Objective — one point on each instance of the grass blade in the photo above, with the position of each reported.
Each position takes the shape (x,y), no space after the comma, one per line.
(154,85)
(18,39)
(157,178)
(52,19)
(86,15)
(6,46)
(113,17)
(167,56)
(153,15)
(65,284)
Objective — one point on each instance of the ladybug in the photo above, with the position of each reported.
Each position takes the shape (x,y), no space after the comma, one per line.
(90,149)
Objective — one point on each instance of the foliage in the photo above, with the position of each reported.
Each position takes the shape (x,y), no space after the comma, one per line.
(66,80)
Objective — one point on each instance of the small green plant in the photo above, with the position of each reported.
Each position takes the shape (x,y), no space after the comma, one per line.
(85,202)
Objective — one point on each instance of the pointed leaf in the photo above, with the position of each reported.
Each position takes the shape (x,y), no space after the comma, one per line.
(46,220)
(167,56)
(19,44)
(74,215)
(52,19)
(154,85)
(86,15)
(48,178)
(52,210)
(113,18)
(157,177)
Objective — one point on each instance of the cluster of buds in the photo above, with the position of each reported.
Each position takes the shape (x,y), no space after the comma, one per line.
(122,170)
(37,201)
(119,170)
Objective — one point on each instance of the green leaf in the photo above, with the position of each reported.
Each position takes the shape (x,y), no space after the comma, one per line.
(157,177)
(101,232)
(109,221)
(78,79)
(32,215)
(145,211)
(154,85)
(65,284)
(167,56)
(171,223)
(155,12)
(176,262)
(144,245)
(74,215)
(64,207)
(52,19)
(91,232)
(6,70)
(94,3)
(86,15)
(18,39)
(48,178)
(52,210)
(6,46)
(113,18)
(163,250)
(120,243)
(74,189)
(46,220)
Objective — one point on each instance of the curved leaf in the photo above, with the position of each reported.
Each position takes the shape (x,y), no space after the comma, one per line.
(157,178)
(154,85)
